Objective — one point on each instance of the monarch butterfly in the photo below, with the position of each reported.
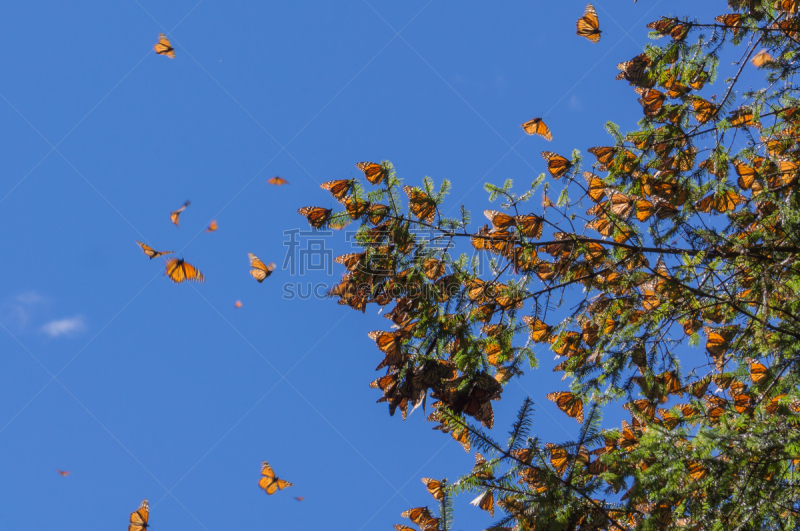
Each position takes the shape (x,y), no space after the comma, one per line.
(500,220)
(557,165)
(356,207)
(152,253)
(643,406)
(747,175)
(485,501)
(759,373)
(605,156)
(588,25)
(140,517)
(269,482)
(719,341)
(377,213)
(596,186)
(164,47)
(743,118)
(725,202)
(732,20)
(178,271)
(277,181)
(761,58)
(633,71)
(418,515)
(338,189)
(530,225)
(559,457)
(299,498)
(317,217)
(64,473)
(788,6)
(174,216)
(703,110)
(372,171)
(260,271)
(238,304)
(434,487)
(651,100)
(537,127)
(699,80)
(628,439)
(212,226)
(420,204)
(568,403)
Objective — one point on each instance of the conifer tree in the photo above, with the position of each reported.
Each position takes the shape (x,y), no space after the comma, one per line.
(680,285)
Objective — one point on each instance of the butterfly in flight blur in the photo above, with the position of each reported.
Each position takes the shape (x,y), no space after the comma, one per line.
(317,217)
(64,473)
(152,253)
(178,271)
(140,517)
(269,482)
(212,226)
(164,47)
(373,171)
(299,498)
(277,181)
(174,216)
(238,304)
(537,127)
(260,271)
(761,58)
(588,26)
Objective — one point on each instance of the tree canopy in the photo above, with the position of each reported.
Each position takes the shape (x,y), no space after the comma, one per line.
(663,269)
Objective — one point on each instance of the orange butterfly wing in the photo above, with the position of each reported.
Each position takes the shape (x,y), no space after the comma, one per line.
(212,226)
(277,181)
(269,482)
(260,270)
(375,173)
(537,127)
(140,517)
(317,217)
(180,271)
(164,47)
(588,25)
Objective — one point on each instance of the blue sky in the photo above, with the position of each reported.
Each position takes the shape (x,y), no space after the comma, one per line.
(145,389)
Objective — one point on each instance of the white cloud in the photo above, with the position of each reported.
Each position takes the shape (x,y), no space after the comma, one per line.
(29,298)
(61,327)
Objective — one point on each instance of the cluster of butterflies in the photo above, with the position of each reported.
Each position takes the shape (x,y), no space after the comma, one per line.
(269,482)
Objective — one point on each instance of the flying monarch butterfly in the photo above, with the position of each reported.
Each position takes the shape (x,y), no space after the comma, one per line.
(277,181)
(557,165)
(588,25)
(164,47)
(568,403)
(299,498)
(269,482)
(374,172)
(434,487)
(719,340)
(179,271)
(260,271)
(140,517)
(174,216)
(338,189)
(238,304)
(537,127)
(725,202)
(420,204)
(212,226)
(317,217)
(64,473)
(485,501)
(761,58)
(152,253)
